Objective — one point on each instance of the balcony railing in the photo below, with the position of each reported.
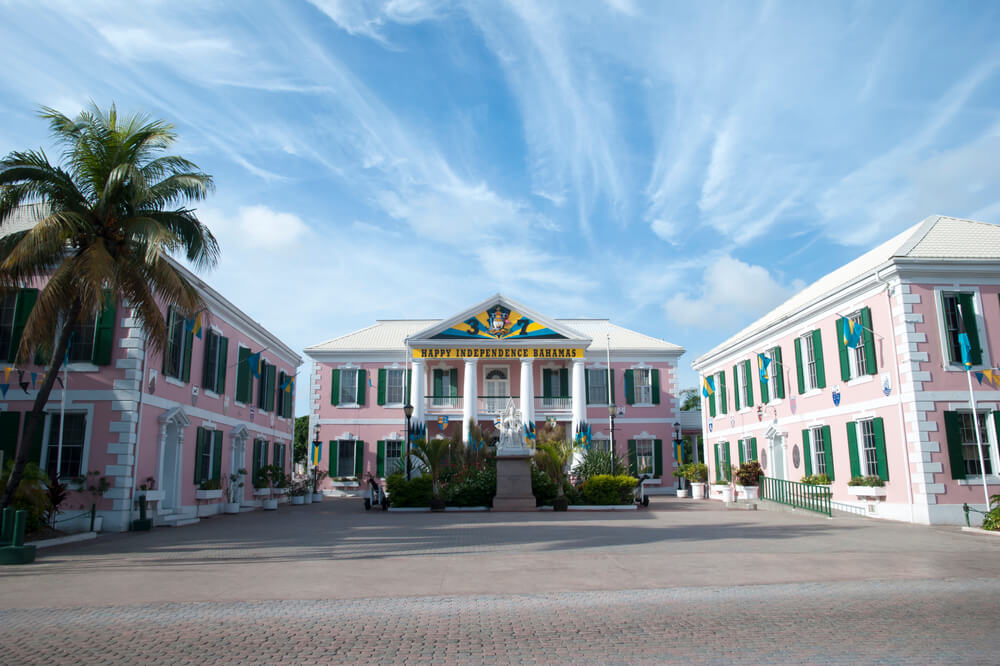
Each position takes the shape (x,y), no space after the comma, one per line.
(554,403)
(490,405)
(444,403)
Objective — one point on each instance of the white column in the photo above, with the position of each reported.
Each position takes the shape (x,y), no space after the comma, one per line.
(417,391)
(470,400)
(579,395)
(527,391)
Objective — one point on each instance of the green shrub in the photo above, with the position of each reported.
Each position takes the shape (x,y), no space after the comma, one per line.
(597,461)
(607,489)
(542,487)
(476,487)
(210,484)
(415,492)
(32,494)
(991,521)
(749,473)
(867,481)
(817,480)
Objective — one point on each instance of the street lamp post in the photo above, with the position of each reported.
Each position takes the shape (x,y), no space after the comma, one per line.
(678,450)
(408,412)
(612,408)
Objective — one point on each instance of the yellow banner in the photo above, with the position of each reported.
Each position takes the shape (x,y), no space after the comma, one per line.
(497,352)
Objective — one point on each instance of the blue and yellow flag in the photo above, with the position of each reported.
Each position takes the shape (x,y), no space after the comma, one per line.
(194,325)
(763,362)
(708,386)
(850,332)
(253,360)
(286,385)
(963,340)
(317,452)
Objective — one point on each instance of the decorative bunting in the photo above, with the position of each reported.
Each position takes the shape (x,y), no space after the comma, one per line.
(6,373)
(4,388)
(34,378)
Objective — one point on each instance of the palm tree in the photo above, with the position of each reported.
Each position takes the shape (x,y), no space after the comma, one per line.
(433,453)
(552,457)
(108,218)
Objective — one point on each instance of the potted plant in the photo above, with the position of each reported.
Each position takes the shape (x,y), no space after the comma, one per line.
(234,491)
(552,457)
(680,472)
(747,477)
(209,489)
(92,482)
(317,481)
(281,481)
(261,483)
(697,475)
(298,491)
(866,486)
(432,454)
(268,475)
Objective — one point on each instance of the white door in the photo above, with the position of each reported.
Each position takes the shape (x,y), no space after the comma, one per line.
(238,457)
(169,471)
(777,462)
(497,389)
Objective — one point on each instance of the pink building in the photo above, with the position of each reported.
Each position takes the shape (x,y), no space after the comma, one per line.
(468,367)
(178,420)
(897,406)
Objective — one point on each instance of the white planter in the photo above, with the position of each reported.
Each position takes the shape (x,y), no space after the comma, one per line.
(820,489)
(865,491)
(298,499)
(727,493)
(231,507)
(697,490)
(747,492)
(346,484)
(152,495)
(683,492)
(317,497)
(98,523)
(208,494)
(279,491)
(269,504)
(261,492)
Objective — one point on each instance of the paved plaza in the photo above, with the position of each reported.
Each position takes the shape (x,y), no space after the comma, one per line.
(685,580)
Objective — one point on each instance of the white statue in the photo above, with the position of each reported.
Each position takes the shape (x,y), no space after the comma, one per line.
(511,430)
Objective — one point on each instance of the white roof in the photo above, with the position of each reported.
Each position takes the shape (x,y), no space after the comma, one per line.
(23,218)
(391,335)
(936,237)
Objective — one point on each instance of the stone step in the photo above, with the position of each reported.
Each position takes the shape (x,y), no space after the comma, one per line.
(176,520)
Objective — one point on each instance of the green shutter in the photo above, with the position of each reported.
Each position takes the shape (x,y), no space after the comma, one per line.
(807,452)
(749,375)
(739,447)
(22,308)
(969,317)
(629,387)
(779,386)
(453,383)
(409,386)
(438,384)
(546,383)
(818,349)
(333,458)
(828,451)
(207,379)
(956,456)
(220,375)
(753,448)
(381,386)
(35,453)
(633,457)
(852,448)
(359,459)
(869,336)
(881,463)
(798,366)
(104,332)
(10,428)
(613,401)
(362,386)
(736,389)
(243,392)
(729,461)
(265,446)
(256,459)
(721,391)
(272,386)
(658,458)
(765,394)
(563,382)
(655,374)
(711,399)
(380,459)
(718,463)
(586,384)
(845,361)
(335,387)
(199,450)
(217,456)
(188,344)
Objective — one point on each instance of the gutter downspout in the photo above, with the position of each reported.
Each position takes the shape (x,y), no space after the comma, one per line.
(899,397)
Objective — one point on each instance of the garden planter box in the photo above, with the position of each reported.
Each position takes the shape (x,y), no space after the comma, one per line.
(270,504)
(683,492)
(152,495)
(279,491)
(727,494)
(231,507)
(697,490)
(298,499)
(346,484)
(746,492)
(317,497)
(261,492)
(208,494)
(866,491)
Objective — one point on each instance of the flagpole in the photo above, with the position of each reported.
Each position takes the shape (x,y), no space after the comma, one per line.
(979,443)
(611,418)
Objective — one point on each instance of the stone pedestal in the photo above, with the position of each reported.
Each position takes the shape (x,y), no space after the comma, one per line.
(514,484)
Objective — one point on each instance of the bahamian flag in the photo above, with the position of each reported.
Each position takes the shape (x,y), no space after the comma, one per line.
(286,385)
(763,362)
(317,452)
(991,376)
(253,360)
(708,386)
(529,430)
(850,332)
(194,325)
(963,340)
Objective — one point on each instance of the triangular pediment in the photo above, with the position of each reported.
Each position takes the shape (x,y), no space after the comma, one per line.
(499,319)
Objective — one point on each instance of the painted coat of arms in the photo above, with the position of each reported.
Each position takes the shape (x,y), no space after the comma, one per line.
(499,323)
(886,383)
(836,396)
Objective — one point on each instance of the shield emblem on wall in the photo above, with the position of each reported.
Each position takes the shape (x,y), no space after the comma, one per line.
(792,404)
(836,396)
(886,383)
(710,427)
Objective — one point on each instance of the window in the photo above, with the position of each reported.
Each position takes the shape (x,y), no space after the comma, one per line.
(809,362)
(81,346)
(286,395)
(869,452)
(644,456)
(962,305)
(265,388)
(970,453)
(601,444)
(597,387)
(643,386)
(393,456)
(214,372)
(720,391)
(244,380)
(723,465)
(15,307)
(348,387)
(774,387)
(446,387)
(91,339)
(345,458)
(8,303)
(748,449)
(394,386)
(279,456)
(71,461)
(811,378)
(740,373)
(819,446)
(859,365)
(177,355)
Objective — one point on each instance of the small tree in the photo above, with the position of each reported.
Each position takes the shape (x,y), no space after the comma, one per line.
(434,455)
(300,448)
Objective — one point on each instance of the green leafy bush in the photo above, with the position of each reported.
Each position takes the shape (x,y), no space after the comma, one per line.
(597,461)
(542,487)
(210,484)
(749,473)
(606,489)
(475,487)
(817,480)
(32,494)
(415,492)
(991,521)
(867,481)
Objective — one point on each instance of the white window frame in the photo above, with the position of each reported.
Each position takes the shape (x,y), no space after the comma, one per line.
(977,305)
(262,462)
(816,435)
(867,468)
(601,374)
(809,372)
(601,443)
(391,461)
(342,402)
(48,426)
(745,449)
(213,391)
(719,392)
(857,363)
(389,372)
(353,448)
(639,456)
(173,313)
(91,326)
(643,391)
(774,368)
(989,446)
(741,384)
(210,452)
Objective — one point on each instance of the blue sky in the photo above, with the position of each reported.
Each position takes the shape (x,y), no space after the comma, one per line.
(678,167)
